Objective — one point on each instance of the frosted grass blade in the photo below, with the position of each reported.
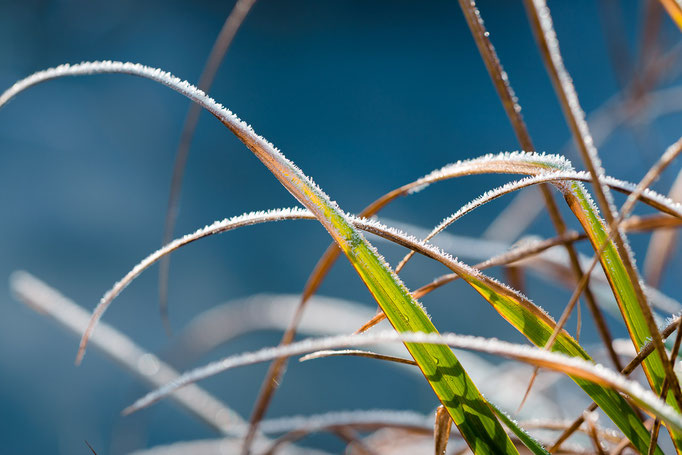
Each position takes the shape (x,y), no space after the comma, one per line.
(586,370)
(534,324)
(220,46)
(470,412)
(618,263)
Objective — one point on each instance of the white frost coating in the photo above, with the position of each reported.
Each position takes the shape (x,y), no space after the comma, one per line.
(436,253)
(588,149)
(323,316)
(227,224)
(524,353)
(489,55)
(372,417)
(535,164)
(278,215)
(568,89)
(239,127)
(502,190)
(507,162)
(671,320)
(299,213)
(652,175)
(493,194)
(469,247)
(352,220)
(296,182)
(519,430)
(648,196)
(490,252)
(273,159)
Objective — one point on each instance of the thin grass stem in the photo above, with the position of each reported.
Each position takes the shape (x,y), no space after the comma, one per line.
(541,23)
(218,51)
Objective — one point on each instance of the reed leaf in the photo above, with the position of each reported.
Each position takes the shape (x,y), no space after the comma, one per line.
(614,254)
(525,163)
(586,370)
(537,326)
(527,440)
(612,262)
(469,410)
(222,43)
(529,319)
(403,311)
(623,289)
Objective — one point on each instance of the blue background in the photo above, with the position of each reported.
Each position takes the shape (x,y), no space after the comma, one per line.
(363,96)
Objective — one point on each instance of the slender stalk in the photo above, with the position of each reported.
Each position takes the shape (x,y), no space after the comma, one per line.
(670,154)
(438,363)
(631,224)
(646,350)
(220,47)
(145,366)
(590,419)
(664,391)
(541,24)
(441,430)
(513,110)
(509,257)
(662,244)
(577,367)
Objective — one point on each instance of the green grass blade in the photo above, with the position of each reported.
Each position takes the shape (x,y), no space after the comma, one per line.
(626,286)
(615,270)
(520,433)
(537,326)
(313,348)
(623,290)
(447,377)
(622,286)
(469,410)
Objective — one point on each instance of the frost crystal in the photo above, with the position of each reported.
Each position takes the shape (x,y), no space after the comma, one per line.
(533,355)
(227,224)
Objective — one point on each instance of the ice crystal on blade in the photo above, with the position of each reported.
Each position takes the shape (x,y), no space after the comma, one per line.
(502,190)
(533,355)
(568,89)
(433,251)
(506,162)
(291,177)
(227,117)
(339,418)
(227,224)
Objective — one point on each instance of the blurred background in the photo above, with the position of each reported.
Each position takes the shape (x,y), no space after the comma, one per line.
(363,96)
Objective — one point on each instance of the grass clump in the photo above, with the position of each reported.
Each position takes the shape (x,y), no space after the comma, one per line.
(636,410)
